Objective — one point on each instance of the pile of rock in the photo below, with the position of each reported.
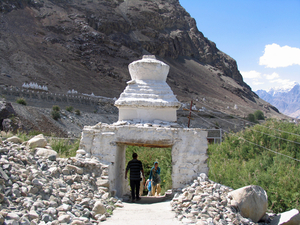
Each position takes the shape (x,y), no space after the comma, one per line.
(208,203)
(36,187)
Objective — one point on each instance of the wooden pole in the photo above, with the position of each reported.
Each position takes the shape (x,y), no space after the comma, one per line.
(190,114)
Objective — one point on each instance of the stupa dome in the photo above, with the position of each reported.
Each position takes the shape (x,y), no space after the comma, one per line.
(147,96)
(148,68)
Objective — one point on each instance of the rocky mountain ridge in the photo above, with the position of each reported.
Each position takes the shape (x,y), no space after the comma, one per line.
(286,88)
(87,45)
(287,102)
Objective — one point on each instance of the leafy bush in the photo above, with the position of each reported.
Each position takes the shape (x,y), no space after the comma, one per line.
(148,156)
(259,115)
(251,118)
(65,147)
(55,114)
(237,163)
(77,112)
(56,108)
(21,101)
(69,108)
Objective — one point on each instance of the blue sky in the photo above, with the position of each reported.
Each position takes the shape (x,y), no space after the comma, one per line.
(263,36)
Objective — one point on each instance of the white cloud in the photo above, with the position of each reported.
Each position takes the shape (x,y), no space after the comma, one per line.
(271,76)
(251,74)
(275,56)
(283,82)
(257,82)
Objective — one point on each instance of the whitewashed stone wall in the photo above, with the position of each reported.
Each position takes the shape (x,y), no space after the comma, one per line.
(108,143)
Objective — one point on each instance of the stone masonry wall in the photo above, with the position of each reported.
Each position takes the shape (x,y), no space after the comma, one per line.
(108,143)
(48,99)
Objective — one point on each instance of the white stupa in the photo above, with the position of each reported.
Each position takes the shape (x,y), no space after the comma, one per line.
(147,96)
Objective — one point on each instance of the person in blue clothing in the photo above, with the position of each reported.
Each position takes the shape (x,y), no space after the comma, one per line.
(148,187)
(155,178)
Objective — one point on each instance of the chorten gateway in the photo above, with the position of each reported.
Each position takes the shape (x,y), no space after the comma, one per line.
(147,96)
(147,117)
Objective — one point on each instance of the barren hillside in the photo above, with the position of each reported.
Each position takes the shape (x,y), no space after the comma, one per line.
(86,45)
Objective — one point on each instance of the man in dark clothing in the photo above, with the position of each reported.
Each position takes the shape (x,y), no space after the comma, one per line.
(136,167)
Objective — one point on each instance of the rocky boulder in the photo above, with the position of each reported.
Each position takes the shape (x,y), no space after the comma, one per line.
(99,208)
(14,139)
(12,125)
(252,201)
(291,217)
(6,110)
(8,118)
(38,141)
(45,152)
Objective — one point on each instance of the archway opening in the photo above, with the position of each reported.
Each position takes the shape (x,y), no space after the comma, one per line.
(149,155)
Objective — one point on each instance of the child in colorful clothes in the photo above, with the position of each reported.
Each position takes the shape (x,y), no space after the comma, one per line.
(155,177)
(148,187)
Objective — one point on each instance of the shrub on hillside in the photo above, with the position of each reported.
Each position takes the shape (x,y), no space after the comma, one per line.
(251,118)
(21,101)
(55,114)
(236,162)
(65,147)
(56,108)
(259,115)
(77,112)
(69,108)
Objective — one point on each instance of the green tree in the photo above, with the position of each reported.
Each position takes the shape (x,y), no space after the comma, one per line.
(259,115)
(55,114)
(251,118)
(69,108)
(56,108)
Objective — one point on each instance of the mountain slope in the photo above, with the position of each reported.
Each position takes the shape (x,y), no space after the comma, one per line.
(287,101)
(86,45)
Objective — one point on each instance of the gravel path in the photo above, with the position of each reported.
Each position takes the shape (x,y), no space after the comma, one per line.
(146,214)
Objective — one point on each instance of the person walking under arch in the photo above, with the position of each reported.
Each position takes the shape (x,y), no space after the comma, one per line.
(136,167)
(155,177)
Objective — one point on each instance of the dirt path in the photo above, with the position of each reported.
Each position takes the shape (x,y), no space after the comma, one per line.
(146,214)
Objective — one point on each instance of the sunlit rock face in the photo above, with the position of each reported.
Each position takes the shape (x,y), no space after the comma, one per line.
(147,96)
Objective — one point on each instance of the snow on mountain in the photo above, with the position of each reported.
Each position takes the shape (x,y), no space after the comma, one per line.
(282,89)
(286,99)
